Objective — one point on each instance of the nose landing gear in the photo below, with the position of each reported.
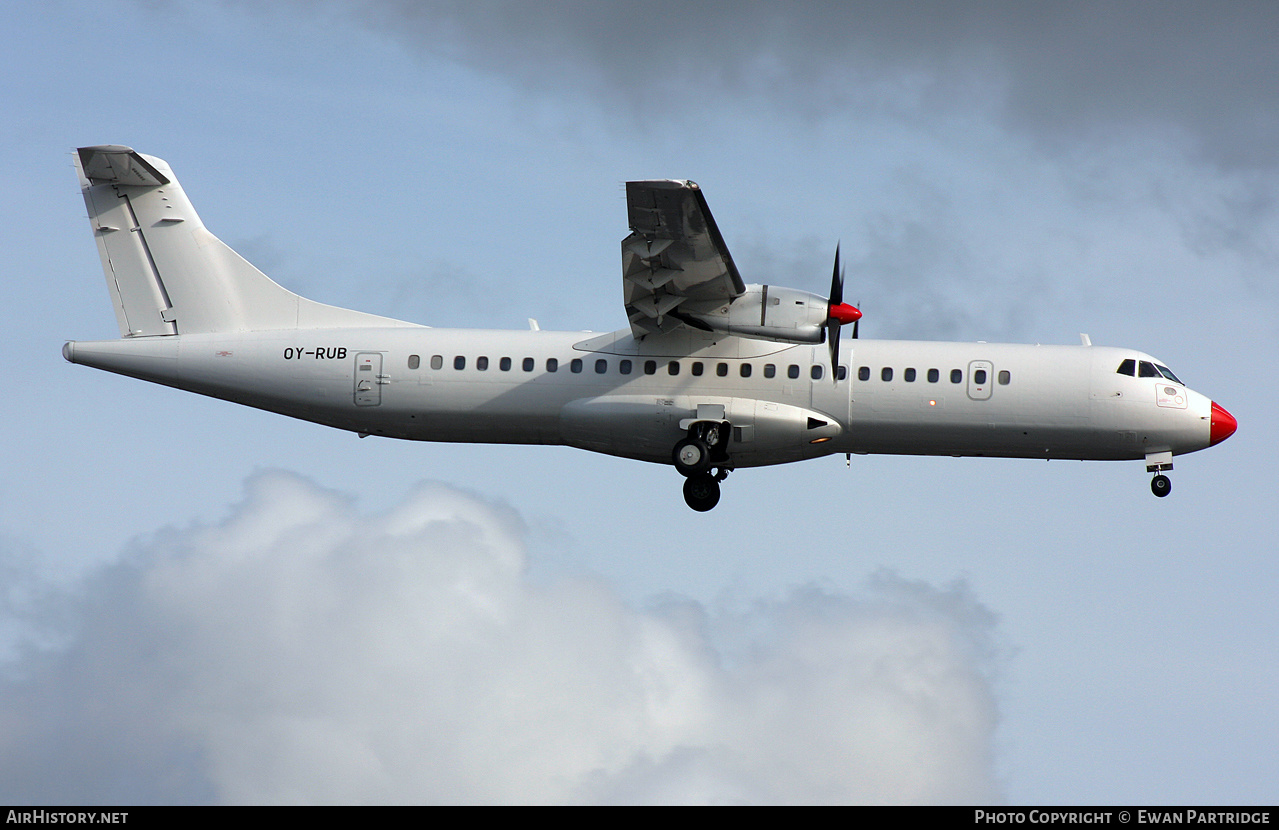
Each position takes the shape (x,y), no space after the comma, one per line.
(705,447)
(1159,463)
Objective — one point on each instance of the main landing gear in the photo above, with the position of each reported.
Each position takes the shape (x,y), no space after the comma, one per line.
(702,458)
(1161,485)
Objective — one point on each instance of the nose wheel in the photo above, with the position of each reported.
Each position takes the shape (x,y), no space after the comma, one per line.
(1161,485)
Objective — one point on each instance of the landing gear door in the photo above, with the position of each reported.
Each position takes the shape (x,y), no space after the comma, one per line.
(368,378)
(980,379)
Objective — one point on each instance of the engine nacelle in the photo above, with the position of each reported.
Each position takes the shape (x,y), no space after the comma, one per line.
(771,312)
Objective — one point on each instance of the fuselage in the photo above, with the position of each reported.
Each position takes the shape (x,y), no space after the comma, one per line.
(629,397)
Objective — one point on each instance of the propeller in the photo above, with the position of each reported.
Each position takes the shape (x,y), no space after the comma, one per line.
(840,314)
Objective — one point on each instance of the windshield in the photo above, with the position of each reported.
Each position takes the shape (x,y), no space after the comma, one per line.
(1166,372)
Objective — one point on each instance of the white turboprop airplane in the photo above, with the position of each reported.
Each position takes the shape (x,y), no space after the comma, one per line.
(712,374)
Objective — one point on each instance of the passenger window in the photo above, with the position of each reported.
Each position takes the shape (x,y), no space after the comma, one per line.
(886,374)
(482,363)
(1128,367)
(575,366)
(933,375)
(459,362)
(601,366)
(792,371)
(504,364)
(650,367)
(843,373)
(863,373)
(770,371)
(746,370)
(956,376)
(1004,377)
(415,361)
(529,363)
(697,369)
(910,375)
(722,370)
(672,368)
(437,361)
(624,367)
(979,377)
(552,365)
(817,372)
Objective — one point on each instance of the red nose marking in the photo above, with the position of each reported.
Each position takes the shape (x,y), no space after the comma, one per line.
(844,313)
(1223,425)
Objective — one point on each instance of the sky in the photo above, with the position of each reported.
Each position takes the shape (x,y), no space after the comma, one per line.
(203,603)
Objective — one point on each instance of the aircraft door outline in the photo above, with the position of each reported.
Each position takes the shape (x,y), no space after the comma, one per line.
(368,379)
(981,377)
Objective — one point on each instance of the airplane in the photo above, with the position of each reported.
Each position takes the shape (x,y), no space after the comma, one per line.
(711,375)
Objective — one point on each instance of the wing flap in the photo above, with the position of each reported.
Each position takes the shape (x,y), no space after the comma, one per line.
(674,256)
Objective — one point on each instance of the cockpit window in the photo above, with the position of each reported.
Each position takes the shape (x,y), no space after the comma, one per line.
(1166,372)
(1146,369)
(1128,367)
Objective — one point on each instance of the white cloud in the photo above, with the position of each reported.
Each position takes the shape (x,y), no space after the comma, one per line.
(306,651)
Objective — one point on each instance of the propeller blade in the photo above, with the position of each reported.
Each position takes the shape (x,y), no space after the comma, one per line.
(837,281)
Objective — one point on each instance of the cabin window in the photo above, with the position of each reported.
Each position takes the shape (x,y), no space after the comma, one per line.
(504,364)
(843,373)
(1128,367)
(697,368)
(933,375)
(746,370)
(601,366)
(979,377)
(770,371)
(792,371)
(529,363)
(575,366)
(672,368)
(459,362)
(1004,377)
(437,361)
(482,363)
(817,372)
(552,365)
(650,367)
(956,376)
(886,374)
(909,375)
(863,373)
(624,367)
(722,370)
(415,361)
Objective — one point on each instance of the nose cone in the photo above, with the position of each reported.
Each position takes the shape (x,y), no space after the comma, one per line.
(1223,425)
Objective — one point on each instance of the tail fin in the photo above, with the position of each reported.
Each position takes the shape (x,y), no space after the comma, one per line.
(166,273)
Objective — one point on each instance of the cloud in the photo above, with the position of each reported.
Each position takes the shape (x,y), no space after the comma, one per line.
(306,651)
(1060,72)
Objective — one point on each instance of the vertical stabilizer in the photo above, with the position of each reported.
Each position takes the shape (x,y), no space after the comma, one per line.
(166,273)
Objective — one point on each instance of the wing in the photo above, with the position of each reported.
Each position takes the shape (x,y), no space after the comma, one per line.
(674,263)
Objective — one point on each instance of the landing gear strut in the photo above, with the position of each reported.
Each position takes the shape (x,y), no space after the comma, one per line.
(705,446)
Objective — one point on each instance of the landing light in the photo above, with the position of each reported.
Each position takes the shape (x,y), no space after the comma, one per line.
(820,440)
